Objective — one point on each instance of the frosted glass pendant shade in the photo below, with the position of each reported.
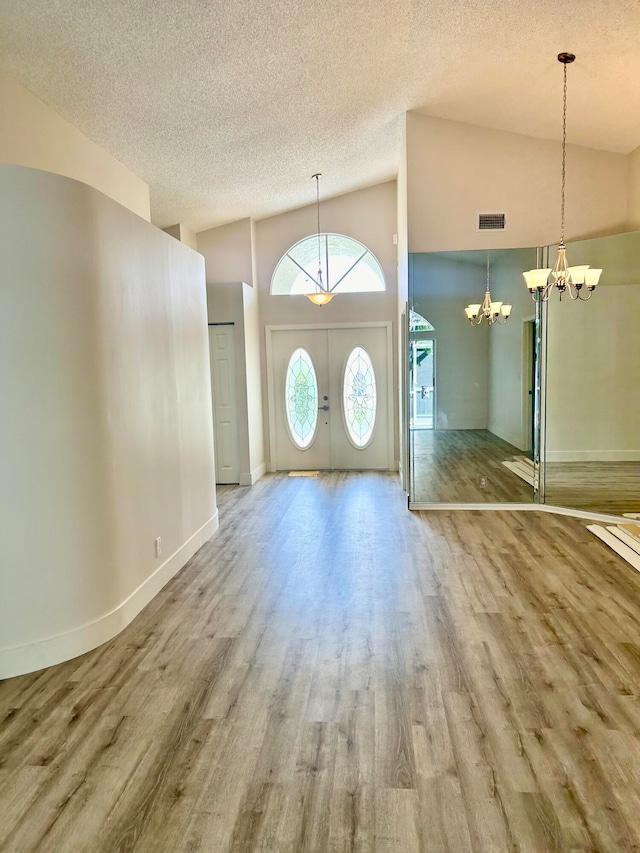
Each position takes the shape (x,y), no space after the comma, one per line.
(577,273)
(591,278)
(536,278)
(320,298)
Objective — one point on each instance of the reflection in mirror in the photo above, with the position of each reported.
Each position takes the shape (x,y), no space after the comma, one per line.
(593,384)
(471,394)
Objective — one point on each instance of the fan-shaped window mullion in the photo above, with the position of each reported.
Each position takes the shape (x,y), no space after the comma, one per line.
(347,267)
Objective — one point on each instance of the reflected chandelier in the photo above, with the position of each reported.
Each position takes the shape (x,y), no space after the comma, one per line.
(492,312)
(563,277)
(323,294)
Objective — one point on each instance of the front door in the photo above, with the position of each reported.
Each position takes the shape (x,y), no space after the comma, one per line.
(328,398)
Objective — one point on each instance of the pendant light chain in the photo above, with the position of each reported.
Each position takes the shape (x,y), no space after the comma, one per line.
(322,295)
(578,281)
(564,151)
(317,177)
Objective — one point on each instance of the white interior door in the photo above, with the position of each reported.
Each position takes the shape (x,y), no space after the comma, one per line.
(342,422)
(224,397)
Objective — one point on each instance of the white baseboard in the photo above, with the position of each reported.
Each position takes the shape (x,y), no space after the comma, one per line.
(253,476)
(18,660)
(593,456)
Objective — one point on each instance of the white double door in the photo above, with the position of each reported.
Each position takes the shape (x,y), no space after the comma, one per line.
(329,350)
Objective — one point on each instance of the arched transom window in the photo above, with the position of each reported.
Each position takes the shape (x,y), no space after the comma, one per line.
(347,267)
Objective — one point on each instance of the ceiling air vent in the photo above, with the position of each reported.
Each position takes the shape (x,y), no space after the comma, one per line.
(491,221)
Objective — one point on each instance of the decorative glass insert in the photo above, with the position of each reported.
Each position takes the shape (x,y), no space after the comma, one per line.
(417,323)
(347,267)
(301,398)
(359,397)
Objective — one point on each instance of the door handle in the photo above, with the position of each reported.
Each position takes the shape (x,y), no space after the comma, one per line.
(324,408)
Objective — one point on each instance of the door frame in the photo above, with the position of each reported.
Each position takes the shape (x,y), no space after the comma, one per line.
(414,338)
(303,327)
(527,378)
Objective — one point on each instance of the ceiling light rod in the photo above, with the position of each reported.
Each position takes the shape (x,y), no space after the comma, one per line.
(322,294)
(540,283)
(492,312)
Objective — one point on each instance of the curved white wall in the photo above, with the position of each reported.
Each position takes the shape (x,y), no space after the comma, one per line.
(34,135)
(105,419)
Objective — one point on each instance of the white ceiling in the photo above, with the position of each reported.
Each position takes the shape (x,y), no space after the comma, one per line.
(227,108)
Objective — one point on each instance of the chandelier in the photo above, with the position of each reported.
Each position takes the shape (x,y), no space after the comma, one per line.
(540,283)
(492,312)
(322,294)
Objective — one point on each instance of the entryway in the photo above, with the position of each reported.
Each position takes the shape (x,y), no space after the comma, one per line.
(329,397)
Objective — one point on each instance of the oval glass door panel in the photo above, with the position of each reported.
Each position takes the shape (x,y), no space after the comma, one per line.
(359,397)
(301,398)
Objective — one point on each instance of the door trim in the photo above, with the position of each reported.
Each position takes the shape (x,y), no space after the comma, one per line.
(380,324)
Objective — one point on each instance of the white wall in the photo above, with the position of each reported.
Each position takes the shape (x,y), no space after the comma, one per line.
(456,171)
(106,428)
(184,234)
(253,365)
(593,378)
(228,252)
(403,297)
(508,379)
(634,189)
(440,288)
(593,359)
(32,134)
(368,215)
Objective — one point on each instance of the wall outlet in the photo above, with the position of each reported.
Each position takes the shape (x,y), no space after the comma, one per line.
(159,546)
(483,482)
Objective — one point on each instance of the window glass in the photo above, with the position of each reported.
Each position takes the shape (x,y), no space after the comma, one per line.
(359,397)
(301,398)
(347,267)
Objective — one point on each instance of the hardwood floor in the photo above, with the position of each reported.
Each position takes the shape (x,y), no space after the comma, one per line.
(612,487)
(334,673)
(447,466)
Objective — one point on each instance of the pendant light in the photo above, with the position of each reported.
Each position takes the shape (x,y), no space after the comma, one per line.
(322,295)
(492,312)
(540,283)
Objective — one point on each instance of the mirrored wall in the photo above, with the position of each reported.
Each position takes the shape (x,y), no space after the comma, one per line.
(542,408)
(472,388)
(592,400)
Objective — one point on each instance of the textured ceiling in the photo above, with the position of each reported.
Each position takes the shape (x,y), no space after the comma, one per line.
(227,108)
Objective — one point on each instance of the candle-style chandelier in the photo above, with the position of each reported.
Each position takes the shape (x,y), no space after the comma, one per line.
(562,277)
(492,312)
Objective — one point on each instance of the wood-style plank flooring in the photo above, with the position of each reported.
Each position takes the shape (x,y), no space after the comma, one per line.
(612,487)
(464,466)
(333,673)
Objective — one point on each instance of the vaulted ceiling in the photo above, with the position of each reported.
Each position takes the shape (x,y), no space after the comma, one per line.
(227,108)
